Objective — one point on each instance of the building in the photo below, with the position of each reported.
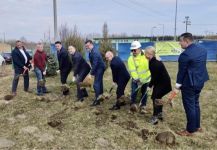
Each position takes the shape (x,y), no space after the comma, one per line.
(122,44)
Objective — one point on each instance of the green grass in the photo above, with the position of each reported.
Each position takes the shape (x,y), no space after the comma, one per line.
(82,129)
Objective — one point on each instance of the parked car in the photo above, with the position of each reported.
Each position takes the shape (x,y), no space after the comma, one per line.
(8,58)
(2,60)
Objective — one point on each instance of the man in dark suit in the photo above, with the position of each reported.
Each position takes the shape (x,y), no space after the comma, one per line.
(120,76)
(65,65)
(192,74)
(21,62)
(97,70)
(81,69)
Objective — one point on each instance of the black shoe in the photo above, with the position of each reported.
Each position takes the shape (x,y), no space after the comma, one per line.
(154,120)
(95,103)
(160,116)
(46,92)
(66,92)
(81,99)
(115,107)
(84,92)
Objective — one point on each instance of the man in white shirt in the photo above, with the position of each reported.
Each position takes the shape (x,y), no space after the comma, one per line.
(21,62)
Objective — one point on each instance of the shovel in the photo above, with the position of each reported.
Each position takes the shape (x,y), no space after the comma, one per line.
(17,76)
(109,95)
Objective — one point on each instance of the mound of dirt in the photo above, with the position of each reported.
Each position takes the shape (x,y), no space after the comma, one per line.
(8,97)
(54,123)
(98,111)
(167,138)
(79,105)
(114,117)
(133,108)
(129,125)
(145,133)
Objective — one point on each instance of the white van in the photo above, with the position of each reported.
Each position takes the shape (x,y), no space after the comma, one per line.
(2,60)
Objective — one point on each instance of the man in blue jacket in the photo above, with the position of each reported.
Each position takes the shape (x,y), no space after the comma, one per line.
(21,62)
(65,65)
(192,74)
(120,76)
(97,70)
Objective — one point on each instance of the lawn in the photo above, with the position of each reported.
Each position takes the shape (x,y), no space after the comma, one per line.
(24,120)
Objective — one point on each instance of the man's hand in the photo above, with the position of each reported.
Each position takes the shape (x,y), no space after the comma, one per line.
(136,81)
(25,68)
(149,89)
(175,90)
(114,84)
(73,79)
(44,72)
(58,71)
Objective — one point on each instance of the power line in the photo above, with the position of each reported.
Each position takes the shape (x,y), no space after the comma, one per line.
(204,24)
(136,10)
(136,3)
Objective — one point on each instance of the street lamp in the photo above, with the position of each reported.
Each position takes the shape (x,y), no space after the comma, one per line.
(163,31)
(152,32)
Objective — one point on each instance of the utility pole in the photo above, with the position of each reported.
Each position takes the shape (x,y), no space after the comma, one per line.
(4,37)
(55,19)
(175,21)
(187,22)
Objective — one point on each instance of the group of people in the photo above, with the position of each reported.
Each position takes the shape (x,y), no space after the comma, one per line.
(145,71)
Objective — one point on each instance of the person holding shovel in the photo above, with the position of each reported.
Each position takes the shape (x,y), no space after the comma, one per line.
(97,70)
(21,63)
(39,61)
(65,66)
(160,82)
(81,69)
(139,71)
(120,77)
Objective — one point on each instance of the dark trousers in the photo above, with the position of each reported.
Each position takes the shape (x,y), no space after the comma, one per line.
(157,108)
(98,82)
(121,87)
(190,99)
(79,78)
(134,93)
(64,75)
(16,80)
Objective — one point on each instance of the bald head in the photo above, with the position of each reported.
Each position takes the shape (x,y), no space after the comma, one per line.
(149,52)
(109,55)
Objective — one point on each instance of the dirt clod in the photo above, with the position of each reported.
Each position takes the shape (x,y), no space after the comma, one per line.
(8,97)
(167,138)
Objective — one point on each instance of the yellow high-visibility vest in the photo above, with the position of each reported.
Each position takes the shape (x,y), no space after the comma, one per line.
(139,68)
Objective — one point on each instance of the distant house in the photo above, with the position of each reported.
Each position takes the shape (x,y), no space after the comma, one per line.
(5,47)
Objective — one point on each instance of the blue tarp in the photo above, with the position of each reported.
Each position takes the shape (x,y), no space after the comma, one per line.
(124,50)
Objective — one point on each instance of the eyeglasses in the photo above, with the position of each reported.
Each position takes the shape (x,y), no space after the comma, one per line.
(133,50)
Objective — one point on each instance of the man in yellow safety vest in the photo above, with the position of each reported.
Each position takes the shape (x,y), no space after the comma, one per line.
(139,71)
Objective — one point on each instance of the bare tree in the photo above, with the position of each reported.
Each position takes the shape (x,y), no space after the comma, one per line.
(105,44)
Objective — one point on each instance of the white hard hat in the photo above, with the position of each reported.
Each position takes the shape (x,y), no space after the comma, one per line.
(135,45)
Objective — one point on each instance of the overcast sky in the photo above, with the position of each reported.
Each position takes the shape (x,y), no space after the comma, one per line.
(32,18)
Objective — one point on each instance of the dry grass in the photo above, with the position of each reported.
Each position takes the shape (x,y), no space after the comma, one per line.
(24,120)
